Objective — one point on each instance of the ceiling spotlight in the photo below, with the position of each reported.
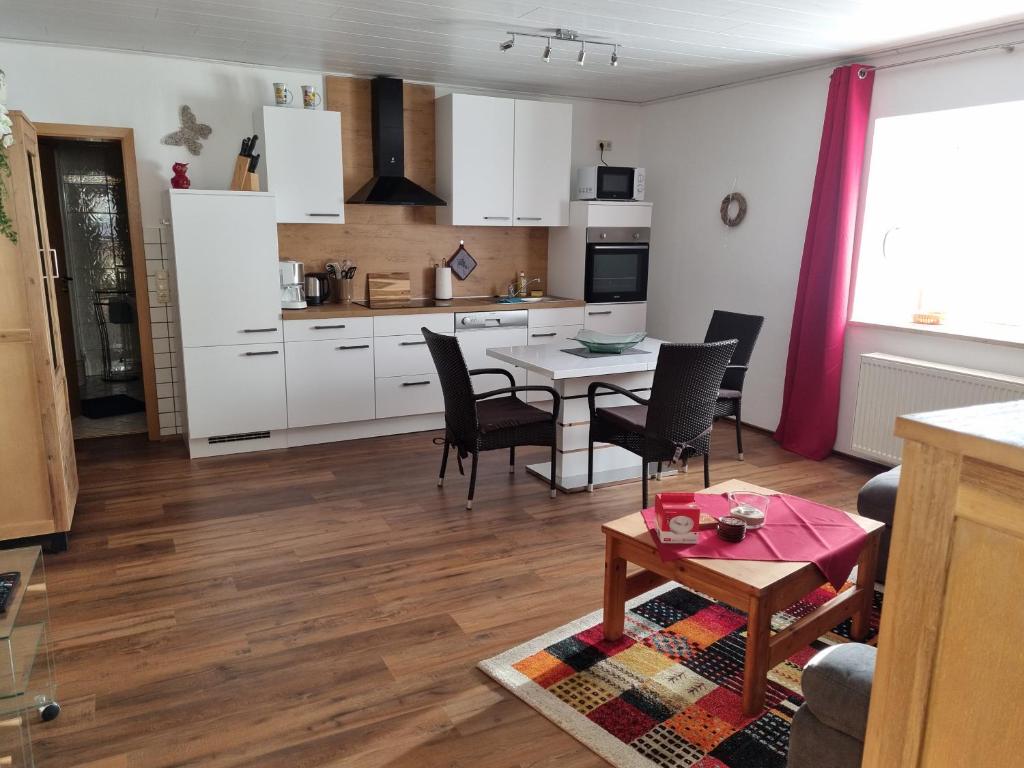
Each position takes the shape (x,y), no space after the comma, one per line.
(583,54)
(507,44)
(615,57)
(547,51)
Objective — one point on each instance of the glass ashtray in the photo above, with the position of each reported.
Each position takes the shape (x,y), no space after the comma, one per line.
(751,508)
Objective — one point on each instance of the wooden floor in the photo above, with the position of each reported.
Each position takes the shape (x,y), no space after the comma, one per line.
(326,606)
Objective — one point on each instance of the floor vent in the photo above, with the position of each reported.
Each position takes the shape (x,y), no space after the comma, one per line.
(236,438)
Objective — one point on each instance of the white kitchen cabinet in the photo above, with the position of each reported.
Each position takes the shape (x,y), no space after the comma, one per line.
(301,164)
(233,390)
(625,317)
(543,146)
(474,345)
(317,329)
(503,162)
(402,355)
(475,159)
(409,395)
(412,325)
(225,253)
(329,381)
(556,334)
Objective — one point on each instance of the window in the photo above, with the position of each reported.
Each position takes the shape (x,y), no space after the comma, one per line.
(942,237)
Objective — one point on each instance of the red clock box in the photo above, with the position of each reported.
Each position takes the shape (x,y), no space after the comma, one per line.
(678,518)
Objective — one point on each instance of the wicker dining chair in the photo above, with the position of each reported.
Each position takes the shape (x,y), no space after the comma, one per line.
(745,329)
(490,420)
(675,421)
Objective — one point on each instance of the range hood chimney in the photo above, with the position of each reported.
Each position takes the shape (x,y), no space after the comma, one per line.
(389,185)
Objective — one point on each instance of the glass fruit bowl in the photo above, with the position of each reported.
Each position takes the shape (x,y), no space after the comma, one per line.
(609,343)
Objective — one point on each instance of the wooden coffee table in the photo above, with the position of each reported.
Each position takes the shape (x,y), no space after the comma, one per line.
(760,588)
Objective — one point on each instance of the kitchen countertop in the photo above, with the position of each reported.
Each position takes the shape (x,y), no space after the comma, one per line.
(477,304)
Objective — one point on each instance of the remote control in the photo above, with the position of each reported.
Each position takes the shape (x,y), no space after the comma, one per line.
(8,581)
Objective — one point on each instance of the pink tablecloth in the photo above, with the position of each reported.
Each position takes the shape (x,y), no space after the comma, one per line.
(796,530)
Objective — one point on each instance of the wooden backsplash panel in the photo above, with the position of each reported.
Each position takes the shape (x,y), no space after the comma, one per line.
(501,252)
(388,238)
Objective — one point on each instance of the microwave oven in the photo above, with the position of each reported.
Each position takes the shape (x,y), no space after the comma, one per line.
(609,182)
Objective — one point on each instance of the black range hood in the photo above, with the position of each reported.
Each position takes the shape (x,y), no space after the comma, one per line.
(389,185)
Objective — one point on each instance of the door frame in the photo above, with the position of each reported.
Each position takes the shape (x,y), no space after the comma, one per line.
(126,138)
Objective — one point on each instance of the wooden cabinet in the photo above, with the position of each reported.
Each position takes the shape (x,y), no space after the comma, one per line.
(503,162)
(625,317)
(301,164)
(329,381)
(542,178)
(946,686)
(38,475)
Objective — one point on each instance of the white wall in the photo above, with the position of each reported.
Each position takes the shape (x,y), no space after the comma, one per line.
(764,138)
(144,92)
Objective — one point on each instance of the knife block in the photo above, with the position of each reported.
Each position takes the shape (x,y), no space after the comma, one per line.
(241,179)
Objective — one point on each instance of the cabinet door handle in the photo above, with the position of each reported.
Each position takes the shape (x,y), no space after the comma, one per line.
(56,266)
(543,335)
(411,343)
(259,330)
(355,346)
(326,327)
(605,312)
(324,214)
(257,354)
(414,383)
(528,218)
(496,218)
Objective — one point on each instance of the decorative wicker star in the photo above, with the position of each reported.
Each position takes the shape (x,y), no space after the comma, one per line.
(190,133)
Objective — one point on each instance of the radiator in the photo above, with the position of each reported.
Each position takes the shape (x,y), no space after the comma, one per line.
(895,386)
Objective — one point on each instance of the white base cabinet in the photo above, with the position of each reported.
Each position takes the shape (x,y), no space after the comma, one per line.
(234,390)
(406,379)
(616,318)
(329,381)
(558,334)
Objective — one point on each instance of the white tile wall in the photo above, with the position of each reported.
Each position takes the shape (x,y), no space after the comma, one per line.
(163,322)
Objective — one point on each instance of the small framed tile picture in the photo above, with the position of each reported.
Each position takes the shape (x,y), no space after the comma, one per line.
(462,262)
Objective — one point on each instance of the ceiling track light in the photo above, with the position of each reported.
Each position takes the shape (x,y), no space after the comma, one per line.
(564,36)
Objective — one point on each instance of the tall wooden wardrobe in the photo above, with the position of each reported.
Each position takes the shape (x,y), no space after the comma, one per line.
(38,476)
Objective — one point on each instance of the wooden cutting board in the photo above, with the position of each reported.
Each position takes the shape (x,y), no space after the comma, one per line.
(388,288)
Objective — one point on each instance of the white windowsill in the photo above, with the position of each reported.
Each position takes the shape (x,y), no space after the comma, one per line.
(1010,340)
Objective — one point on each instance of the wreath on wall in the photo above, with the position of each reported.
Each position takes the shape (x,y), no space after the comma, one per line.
(725,210)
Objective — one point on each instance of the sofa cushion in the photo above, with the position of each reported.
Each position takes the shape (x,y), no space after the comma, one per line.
(837,686)
(812,744)
(877,498)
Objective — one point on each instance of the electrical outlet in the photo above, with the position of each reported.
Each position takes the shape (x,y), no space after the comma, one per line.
(604,144)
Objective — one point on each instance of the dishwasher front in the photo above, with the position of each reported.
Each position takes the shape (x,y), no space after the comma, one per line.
(479,331)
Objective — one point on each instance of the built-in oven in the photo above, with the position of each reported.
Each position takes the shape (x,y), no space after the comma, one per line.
(616,265)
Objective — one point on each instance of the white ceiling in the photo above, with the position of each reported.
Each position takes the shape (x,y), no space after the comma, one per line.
(670,47)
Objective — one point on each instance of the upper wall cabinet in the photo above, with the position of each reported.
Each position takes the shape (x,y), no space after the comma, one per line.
(503,162)
(301,164)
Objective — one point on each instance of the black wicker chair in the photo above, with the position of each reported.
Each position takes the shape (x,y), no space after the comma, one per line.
(745,329)
(675,421)
(490,420)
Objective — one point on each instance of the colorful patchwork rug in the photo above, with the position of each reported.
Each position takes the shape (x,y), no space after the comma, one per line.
(668,693)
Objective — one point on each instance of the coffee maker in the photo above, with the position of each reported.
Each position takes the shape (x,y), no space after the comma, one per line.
(293,286)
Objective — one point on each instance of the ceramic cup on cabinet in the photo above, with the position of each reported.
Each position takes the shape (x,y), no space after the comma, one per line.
(310,97)
(282,96)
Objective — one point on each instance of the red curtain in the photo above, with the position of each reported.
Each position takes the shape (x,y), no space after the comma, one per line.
(810,402)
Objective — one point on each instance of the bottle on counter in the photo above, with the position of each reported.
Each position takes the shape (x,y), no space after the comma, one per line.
(521,284)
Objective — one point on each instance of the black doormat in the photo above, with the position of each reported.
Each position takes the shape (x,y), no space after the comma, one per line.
(111,405)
